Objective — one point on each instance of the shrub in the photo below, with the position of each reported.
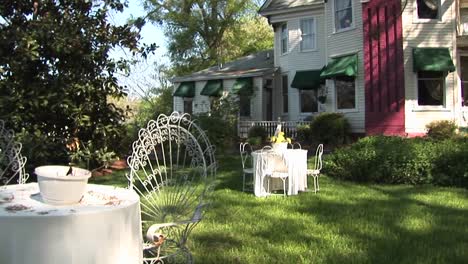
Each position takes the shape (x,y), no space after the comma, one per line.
(330,129)
(303,133)
(257,132)
(384,159)
(220,131)
(441,129)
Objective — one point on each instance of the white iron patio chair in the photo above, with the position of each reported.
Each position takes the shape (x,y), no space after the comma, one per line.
(172,168)
(275,167)
(11,161)
(247,162)
(315,172)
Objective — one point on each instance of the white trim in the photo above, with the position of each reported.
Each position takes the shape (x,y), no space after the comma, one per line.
(353,18)
(314,21)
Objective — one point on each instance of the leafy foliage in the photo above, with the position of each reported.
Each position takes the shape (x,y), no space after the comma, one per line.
(441,129)
(203,33)
(220,123)
(384,159)
(56,75)
(331,129)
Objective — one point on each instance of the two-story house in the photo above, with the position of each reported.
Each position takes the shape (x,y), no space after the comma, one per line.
(390,66)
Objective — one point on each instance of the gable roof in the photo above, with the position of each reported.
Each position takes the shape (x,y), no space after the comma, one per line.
(253,65)
(279,5)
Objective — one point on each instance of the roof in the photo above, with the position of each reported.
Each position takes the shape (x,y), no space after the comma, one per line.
(253,65)
(279,5)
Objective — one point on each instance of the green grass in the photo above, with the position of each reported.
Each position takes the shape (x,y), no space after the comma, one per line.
(344,223)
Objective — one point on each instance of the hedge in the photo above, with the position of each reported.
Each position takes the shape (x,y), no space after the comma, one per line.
(394,160)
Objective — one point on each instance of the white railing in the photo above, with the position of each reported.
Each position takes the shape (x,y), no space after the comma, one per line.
(288,127)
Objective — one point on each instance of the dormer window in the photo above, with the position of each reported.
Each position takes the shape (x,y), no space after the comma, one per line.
(428,9)
(343,14)
(284,38)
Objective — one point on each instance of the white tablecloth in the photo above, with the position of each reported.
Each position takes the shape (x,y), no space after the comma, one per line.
(103,228)
(296,162)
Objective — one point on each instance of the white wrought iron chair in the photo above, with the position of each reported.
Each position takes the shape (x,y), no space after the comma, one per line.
(315,172)
(172,168)
(295,145)
(11,161)
(246,150)
(275,167)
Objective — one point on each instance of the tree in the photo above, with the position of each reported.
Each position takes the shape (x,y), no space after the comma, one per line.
(56,76)
(196,30)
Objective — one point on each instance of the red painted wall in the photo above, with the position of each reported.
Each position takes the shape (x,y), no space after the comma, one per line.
(383,65)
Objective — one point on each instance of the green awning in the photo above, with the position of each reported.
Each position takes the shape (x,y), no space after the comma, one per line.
(432,59)
(243,86)
(185,89)
(341,66)
(307,80)
(213,88)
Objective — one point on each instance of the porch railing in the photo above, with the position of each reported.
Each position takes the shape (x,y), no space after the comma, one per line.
(288,127)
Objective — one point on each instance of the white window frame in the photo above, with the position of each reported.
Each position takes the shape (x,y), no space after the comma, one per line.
(352,26)
(284,35)
(416,18)
(431,107)
(313,33)
(347,110)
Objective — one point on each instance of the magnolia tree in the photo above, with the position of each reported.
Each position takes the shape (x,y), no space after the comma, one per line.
(56,76)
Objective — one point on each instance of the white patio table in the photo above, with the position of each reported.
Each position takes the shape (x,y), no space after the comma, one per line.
(296,162)
(104,227)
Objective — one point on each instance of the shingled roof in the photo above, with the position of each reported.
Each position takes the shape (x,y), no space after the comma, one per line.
(252,65)
(276,5)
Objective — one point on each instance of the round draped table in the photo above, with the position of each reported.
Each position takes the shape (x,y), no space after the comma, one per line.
(296,162)
(104,227)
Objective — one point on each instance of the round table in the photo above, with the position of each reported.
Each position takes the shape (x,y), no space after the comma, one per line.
(296,162)
(104,227)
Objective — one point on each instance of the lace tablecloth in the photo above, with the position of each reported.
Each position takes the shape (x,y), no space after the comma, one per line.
(296,163)
(104,227)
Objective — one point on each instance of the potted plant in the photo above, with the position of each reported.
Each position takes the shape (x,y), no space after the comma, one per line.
(280,143)
(60,185)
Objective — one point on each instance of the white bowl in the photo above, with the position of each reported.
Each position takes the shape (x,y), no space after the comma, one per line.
(57,188)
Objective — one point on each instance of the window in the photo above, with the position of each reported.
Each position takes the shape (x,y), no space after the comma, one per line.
(285,87)
(284,38)
(431,88)
(244,105)
(188,106)
(343,14)
(308,34)
(345,93)
(464,79)
(428,9)
(309,101)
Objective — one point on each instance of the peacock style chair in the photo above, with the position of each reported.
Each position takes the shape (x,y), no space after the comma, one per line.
(173,169)
(11,161)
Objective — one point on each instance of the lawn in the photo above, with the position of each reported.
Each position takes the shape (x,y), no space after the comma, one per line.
(344,223)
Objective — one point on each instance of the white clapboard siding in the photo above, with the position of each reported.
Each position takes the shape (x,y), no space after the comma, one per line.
(345,43)
(419,33)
